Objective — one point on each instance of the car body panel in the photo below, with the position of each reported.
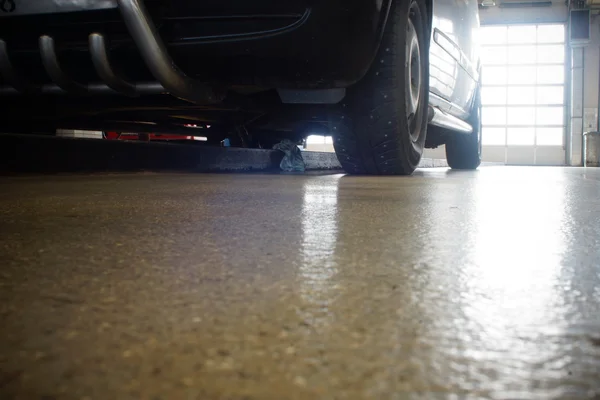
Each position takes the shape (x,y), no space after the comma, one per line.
(454,53)
(12,8)
(242,46)
(296,44)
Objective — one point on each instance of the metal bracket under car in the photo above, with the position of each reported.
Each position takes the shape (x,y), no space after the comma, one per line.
(152,49)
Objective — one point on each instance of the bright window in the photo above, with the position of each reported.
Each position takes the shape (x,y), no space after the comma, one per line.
(518,55)
(521,136)
(494,136)
(521,95)
(493,95)
(494,76)
(319,139)
(521,116)
(522,34)
(549,136)
(551,34)
(523,85)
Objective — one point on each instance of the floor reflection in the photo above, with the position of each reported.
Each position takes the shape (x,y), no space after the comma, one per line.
(456,282)
(518,248)
(505,315)
(319,237)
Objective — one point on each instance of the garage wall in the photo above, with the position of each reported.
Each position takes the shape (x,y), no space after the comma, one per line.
(591,67)
(530,15)
(586,103)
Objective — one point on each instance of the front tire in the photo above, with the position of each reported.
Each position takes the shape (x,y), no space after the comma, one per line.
(384,118)
(464,151)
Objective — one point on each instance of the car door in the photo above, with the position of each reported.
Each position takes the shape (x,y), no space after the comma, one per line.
(454,55)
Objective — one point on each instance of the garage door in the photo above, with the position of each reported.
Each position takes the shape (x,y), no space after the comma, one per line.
(523,94)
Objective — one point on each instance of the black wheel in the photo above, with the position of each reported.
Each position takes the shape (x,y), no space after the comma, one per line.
(464,151)
(384,118)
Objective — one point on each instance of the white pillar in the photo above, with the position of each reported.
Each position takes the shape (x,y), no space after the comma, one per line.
(574,144)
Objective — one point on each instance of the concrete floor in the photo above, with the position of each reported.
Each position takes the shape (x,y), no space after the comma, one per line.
(186,286)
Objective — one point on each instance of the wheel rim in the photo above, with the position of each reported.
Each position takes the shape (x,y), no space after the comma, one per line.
(414,78)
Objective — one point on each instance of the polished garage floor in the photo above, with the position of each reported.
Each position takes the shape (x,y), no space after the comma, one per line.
(478,284)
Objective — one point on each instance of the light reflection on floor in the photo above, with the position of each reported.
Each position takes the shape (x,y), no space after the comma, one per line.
(319,238)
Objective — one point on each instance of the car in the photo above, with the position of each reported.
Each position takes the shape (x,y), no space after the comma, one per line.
(385,78)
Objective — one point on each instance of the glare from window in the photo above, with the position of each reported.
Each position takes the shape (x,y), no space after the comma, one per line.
(521,136)
(446,25)
(522,34)
(493,136)
(551,74)
(551,34)
(550,115)
(550,95)
(521,75)
(494,76)
(493,35)
(521,95)
(521,116)
(493,95)
(523,85)
(494,55)
(550,54)
(549,136)
(521,55)
(318,139)
(493,116)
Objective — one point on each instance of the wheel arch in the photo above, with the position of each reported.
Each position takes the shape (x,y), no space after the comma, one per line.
(385,6)
(388,4)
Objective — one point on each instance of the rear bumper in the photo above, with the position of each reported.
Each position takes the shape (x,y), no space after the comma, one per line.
(189,48)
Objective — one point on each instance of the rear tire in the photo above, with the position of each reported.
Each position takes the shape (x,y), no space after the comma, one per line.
(464,151)
(383,124)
